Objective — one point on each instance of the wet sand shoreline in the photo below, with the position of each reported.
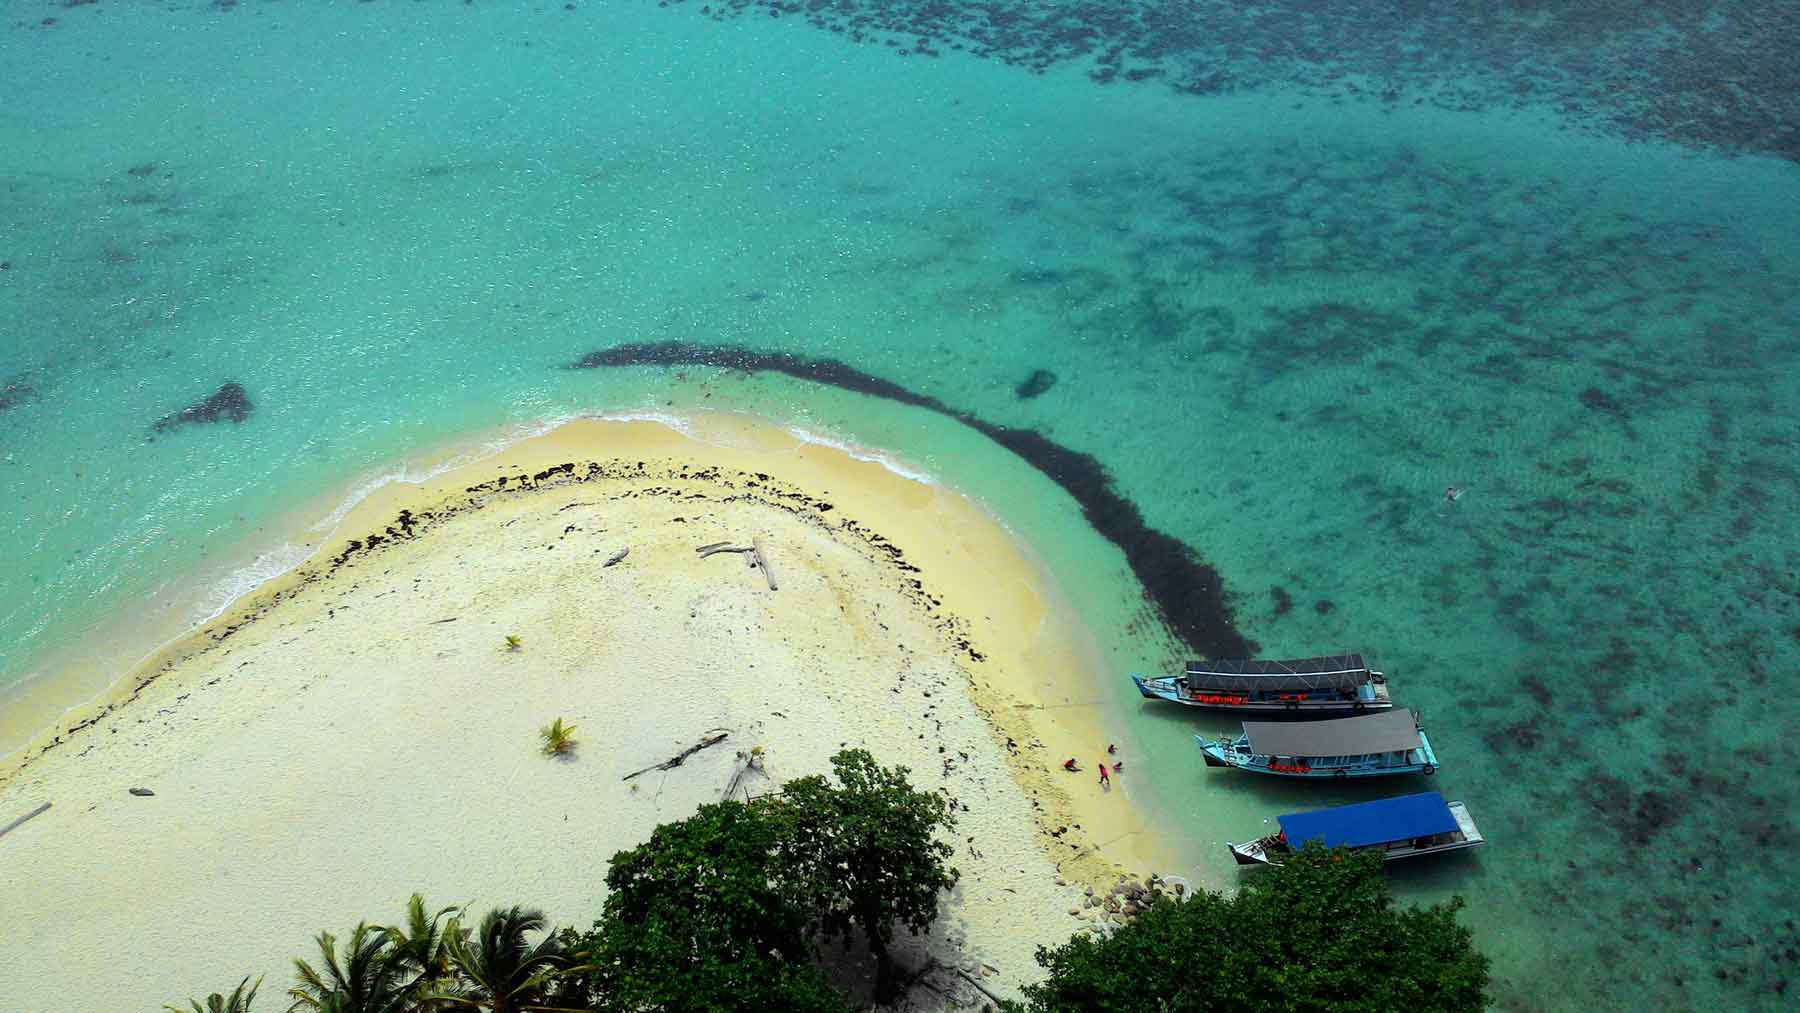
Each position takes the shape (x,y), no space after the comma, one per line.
(366,697)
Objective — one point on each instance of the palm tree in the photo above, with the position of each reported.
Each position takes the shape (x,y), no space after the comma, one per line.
(502,973)
(367,981)
(239,1001)
(420,949)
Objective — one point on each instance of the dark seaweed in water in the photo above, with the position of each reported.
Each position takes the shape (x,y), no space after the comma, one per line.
(1717,74)
(14,392)
(1599,400)
(1189,593)
(229,402)
(1038,382)
(1284,602)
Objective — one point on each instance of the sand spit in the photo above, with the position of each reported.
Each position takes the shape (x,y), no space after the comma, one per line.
(356,729)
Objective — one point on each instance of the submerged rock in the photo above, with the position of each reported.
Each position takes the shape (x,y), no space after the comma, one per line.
(229,402)
(1038,382)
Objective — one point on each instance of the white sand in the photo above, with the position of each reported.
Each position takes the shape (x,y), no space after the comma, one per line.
(337,742)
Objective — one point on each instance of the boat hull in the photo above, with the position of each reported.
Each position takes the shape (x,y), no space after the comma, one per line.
(1270,850)
(1164,688)
(1217,756)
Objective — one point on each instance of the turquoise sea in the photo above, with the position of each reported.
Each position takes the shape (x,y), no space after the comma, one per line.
(1288,272)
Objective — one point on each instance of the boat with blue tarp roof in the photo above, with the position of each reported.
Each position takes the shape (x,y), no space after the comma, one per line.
(1367,745)
(1399,827)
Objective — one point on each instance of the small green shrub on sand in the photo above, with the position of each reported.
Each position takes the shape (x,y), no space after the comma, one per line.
(559,738)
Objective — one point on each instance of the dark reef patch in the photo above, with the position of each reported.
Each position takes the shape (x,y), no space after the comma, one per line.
(227,404)
(1189,593)
(1284,602)
(1715,74)
(1037,383)
(15,392)
(1599,400)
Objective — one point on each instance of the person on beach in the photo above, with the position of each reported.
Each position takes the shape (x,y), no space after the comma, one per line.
(1105,778)
(1070,764)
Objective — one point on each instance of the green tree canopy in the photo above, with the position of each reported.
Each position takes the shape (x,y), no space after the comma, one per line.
(698,919)
(1317,933)
(863,854)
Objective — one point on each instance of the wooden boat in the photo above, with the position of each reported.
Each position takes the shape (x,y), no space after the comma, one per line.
(1304,685)
(1367,745)
(1400,827)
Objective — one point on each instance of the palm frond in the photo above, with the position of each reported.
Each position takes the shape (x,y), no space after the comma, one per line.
(238,1002)
(496,960)
(366,980)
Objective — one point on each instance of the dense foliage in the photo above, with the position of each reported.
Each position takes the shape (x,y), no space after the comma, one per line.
(726,909)
(721,911)
(861,855)
(1317,933)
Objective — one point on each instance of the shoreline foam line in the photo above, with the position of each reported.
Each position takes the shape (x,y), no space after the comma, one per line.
(220,588)
(1188,592)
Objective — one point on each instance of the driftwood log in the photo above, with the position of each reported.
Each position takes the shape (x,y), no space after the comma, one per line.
(617,557)
(21,821)
(983,989)
(678,759)
(754,550)
(762,561)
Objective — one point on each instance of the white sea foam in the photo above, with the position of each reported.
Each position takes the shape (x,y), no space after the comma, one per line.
(272,563)
(675,422)
(863,454)
(407,473)
(241,581)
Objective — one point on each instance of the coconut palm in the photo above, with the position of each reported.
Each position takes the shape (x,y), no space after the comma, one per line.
(237,1002)
(501,973)
(420,949)
(368,980)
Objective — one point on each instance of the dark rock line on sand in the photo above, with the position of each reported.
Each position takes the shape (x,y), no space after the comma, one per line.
(1188,592)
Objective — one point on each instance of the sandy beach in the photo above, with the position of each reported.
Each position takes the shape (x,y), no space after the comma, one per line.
(356,729)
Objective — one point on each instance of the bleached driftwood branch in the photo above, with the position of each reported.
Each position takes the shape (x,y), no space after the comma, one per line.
(21,821)
(679,758)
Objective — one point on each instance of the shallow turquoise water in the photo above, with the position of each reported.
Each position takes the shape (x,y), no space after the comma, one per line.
(1284,316)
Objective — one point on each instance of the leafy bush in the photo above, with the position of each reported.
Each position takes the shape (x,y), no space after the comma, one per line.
(1319,932)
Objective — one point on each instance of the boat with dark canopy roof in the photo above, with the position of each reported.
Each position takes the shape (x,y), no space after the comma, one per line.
(1329,684)
(1400,827)
(1367,745)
